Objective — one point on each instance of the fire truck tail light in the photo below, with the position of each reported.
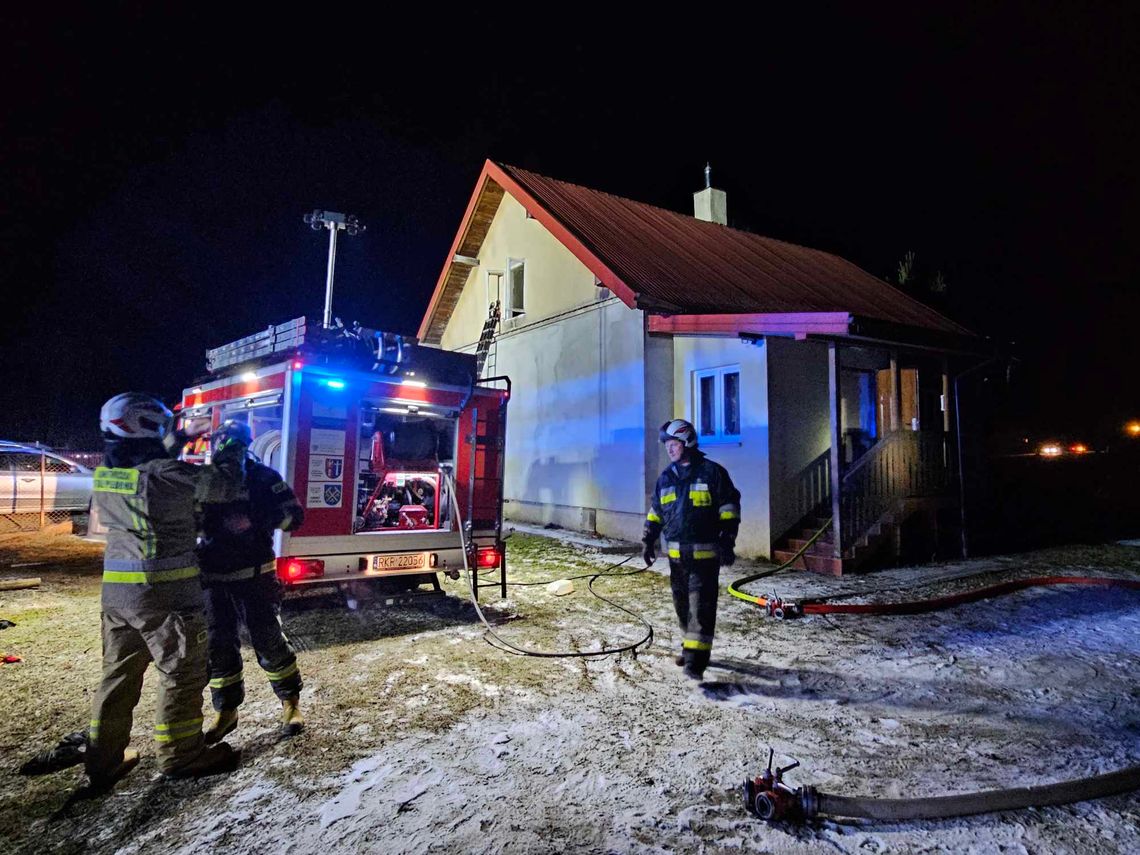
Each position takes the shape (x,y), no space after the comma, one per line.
(487,556)
(297,365)
(296,569)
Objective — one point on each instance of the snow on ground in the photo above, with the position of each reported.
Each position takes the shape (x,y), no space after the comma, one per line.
(447,745)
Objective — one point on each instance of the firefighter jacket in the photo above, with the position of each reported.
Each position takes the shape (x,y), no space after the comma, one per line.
(694,504)
(237,537)
(149,511)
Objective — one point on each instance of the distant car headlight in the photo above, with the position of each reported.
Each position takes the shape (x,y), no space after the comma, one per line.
(1051,449)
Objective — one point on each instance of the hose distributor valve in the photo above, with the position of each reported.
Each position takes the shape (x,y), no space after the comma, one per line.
(781,609)
(769,798)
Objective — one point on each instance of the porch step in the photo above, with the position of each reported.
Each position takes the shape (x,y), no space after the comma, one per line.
(827,564)
(823,546)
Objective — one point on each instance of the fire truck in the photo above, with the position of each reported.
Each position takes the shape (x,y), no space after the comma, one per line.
(394,449)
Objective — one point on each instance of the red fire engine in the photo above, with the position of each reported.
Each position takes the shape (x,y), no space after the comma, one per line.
(373,433)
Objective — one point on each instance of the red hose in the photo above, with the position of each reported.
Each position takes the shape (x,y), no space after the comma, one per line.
(914,607)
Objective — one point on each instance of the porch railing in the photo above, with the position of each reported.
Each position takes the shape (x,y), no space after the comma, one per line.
(813,487)
(904,464)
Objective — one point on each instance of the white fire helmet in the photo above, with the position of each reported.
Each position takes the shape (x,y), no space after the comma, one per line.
(681,430)
(135,415)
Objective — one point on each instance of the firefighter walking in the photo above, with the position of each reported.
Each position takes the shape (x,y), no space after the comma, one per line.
(697,509)
(152,604)
(238,573)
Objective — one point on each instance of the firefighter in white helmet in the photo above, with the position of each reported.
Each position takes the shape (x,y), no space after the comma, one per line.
(152,604)
(697,509)
(238,573)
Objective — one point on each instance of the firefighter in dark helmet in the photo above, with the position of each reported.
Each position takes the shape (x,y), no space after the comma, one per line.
(238,574)
(152,605)
(697,508)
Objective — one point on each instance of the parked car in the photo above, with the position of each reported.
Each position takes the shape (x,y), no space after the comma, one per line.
(29,474)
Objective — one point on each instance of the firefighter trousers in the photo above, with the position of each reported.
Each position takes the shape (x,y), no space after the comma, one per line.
(693,577)
(255,602)
(175,641)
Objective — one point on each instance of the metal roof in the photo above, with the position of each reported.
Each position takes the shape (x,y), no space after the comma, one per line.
(685,265)
(674,264)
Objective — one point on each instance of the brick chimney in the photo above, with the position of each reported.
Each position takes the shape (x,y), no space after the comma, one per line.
(710,204)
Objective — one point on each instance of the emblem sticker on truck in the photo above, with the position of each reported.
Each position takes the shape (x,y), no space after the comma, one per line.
(323,468)
(324,496)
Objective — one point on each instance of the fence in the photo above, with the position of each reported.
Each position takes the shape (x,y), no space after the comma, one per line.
(39,489)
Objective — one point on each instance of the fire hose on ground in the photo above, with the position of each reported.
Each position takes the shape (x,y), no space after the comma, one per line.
(509,647)
(769,798)
(778,607)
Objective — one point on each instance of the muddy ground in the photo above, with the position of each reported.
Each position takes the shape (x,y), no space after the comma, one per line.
(423,737)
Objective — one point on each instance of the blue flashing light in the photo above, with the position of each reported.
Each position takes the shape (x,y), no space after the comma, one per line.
(334,383)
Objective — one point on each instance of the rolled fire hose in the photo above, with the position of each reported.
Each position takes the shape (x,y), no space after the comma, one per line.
(967,804)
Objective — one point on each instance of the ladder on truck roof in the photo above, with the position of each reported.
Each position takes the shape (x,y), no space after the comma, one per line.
(385,351)
(278,338)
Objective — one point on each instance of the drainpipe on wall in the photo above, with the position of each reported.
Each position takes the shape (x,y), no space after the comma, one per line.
(961,463)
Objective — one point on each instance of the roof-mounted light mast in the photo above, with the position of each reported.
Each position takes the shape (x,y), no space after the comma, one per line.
(334,222)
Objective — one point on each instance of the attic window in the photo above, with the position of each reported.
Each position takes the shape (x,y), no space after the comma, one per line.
(516,285)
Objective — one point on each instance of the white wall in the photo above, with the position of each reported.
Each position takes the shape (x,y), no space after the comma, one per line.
(800,423)
(746,460)
(576,424)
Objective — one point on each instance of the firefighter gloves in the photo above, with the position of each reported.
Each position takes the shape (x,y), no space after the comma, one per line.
(727,552)
(649,553)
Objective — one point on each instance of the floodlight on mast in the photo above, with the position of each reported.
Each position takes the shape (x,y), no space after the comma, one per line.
(334,222)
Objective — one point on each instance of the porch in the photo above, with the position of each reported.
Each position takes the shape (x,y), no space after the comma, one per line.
(886,488)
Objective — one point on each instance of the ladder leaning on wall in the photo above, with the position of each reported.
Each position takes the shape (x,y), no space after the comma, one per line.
(486,339)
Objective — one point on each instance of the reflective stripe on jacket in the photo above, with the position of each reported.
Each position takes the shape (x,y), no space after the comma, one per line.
(694,504)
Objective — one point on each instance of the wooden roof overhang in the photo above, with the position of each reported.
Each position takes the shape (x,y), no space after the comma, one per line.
(481,210)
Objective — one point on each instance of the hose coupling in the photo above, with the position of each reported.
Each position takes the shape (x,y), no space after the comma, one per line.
(770,799)
(781,609)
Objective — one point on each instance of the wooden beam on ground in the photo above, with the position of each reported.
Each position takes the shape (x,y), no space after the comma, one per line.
(18,584)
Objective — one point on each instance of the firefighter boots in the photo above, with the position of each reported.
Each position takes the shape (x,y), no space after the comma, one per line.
(292,722)
(214,760)
(101,782)
(224,723)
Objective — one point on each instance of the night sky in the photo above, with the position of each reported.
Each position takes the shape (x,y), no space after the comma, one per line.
(157,166)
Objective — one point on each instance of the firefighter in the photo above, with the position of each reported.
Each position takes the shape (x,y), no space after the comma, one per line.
(238,573)
(697,508)
(152,604)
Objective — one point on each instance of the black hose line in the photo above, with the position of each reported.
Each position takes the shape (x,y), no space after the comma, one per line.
(508,647)
(967,804)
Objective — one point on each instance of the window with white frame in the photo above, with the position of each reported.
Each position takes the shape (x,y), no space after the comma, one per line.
(516,288)
(716,403)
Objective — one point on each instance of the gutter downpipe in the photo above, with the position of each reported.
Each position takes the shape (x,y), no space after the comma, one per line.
(961,465)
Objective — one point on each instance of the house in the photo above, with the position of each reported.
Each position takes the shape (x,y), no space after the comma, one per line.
(825,391)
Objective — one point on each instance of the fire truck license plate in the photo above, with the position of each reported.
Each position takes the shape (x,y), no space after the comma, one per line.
(398,562)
